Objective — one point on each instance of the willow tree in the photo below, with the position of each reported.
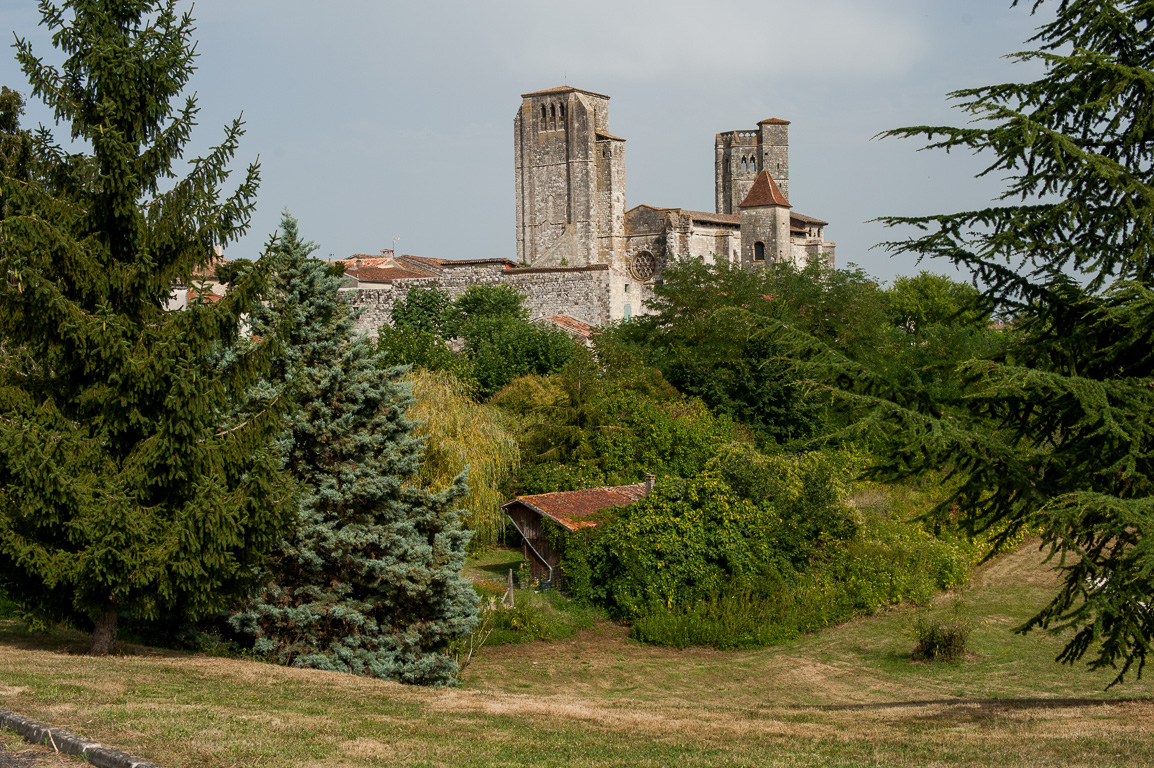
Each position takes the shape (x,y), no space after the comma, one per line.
(461,434)
(120,492)
(1057,432)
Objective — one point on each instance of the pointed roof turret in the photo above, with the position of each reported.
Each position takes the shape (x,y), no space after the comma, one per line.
(764,192)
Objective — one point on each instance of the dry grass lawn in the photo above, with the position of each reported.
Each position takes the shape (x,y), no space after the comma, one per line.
(847,696)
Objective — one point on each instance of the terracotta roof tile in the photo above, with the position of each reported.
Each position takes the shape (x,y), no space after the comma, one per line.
(717,218)
(423,260)
(382,274)
(773,121)
(570,324)
(472,262)
(367,260)
(764,192)
(805,219)
(202,297)
(571,509)
(609,136)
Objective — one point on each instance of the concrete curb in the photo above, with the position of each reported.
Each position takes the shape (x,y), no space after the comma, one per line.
(69,743)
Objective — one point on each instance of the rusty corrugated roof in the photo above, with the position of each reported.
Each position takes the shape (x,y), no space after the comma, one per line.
(571,509)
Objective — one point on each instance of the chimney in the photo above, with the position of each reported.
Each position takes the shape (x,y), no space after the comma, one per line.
(649,478)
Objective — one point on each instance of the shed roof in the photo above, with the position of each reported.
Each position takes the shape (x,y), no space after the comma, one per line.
(572,509)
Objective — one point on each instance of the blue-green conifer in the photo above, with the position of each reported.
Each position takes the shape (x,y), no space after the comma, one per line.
(370,580)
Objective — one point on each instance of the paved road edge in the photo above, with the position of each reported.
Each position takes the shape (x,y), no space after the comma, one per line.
(69,743)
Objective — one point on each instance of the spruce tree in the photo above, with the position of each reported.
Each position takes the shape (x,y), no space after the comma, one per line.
(370,581)
(120,492)
(1057,432)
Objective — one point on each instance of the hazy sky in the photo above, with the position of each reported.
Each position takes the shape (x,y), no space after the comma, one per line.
(378,120)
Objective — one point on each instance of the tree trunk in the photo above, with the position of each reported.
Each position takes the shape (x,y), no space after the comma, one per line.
(104,635)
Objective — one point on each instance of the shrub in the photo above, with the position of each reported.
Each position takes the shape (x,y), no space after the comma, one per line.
(941,639)
(534,616)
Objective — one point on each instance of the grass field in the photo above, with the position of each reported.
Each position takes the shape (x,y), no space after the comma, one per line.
(848,696)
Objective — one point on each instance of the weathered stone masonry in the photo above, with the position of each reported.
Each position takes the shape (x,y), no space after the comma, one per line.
(596,294)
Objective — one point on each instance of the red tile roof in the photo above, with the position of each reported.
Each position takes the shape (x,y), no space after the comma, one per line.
(773,121)
(427,261)
(764,192)
(571,509)
(806,219)
(472,262)
(570,324)
(716,218)
(610,136)
(382,274)
(367,260)
(202,297)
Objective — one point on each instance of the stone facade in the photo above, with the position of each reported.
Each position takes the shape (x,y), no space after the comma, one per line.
(581,255)
(570,188)
(596,294)
(570,180)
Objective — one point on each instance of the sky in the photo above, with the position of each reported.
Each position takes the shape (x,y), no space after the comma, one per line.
(379,123)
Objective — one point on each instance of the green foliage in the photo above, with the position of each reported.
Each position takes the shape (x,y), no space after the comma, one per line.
(481,302)
(425,310)
(689,540)
(462,435)
(499,342)
(928,299)
(369,582)
(533,616)
(608,420)
(806,491)
(502,348)
(890,560)
(120,490)
(1056,430)
(419,348)
(730,336)
(941,639)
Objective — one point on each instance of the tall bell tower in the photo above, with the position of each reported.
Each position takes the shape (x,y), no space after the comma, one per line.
(570,180)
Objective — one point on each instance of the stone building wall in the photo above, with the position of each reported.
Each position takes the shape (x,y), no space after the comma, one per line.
(596,294)
(569,179)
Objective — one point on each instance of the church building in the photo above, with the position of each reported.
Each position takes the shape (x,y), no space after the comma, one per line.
(583,259)
(570,188)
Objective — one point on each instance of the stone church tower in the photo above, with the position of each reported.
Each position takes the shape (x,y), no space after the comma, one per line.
(741,155)
(570,178)
(765,221)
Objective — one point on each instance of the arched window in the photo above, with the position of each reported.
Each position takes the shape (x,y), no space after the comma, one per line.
(553,117)
(759,251)
(743,165)
(753,164)
(543,123)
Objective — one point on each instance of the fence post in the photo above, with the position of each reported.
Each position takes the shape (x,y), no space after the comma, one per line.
(508,598)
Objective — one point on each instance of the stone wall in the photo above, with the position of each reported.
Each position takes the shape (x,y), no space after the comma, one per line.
(595,294)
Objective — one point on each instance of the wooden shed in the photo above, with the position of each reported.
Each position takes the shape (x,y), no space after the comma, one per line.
(572,511)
